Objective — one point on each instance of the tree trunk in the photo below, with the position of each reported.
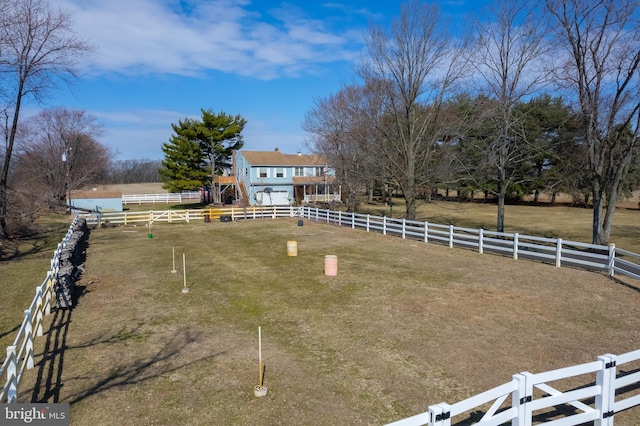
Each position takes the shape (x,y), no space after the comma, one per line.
(501,198)
(4,178)
(598,231)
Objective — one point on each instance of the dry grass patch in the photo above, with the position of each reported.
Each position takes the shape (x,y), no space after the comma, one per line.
(402,326)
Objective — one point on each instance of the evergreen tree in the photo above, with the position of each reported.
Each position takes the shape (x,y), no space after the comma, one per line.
(200,149)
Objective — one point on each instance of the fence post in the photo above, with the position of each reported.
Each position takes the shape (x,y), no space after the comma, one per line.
(515,246)
(39,307)
(612,259)
(439,415)
(368,222)
(187,214)
(480,241)
(450,236)
(28,338)
(353,220)
(524,412)
(559,252)
(384,225)
(426,232)
(605,400)
(47,291)
(519,398)
(404,225)
(12,375)
(339,218)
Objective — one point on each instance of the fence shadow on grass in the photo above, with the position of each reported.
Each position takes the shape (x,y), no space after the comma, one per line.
(127,374)
(49,377)
(50,380)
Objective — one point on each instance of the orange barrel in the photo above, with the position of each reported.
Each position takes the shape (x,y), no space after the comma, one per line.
(292,248)
(331,265)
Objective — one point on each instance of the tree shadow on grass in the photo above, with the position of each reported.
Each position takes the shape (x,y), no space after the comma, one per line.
(143,369)
(50,379)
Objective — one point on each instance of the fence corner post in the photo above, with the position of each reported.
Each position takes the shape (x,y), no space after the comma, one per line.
(612,259)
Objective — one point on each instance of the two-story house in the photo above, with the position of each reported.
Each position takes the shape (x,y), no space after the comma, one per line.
(271,178)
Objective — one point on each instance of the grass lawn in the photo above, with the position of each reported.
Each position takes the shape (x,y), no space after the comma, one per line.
(403,325)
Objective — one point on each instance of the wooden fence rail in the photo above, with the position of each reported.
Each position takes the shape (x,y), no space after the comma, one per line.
(20,353)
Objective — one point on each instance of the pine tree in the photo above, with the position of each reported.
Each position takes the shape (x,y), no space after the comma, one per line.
(200,149)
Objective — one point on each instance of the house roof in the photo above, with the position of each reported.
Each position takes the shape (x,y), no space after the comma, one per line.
(277,158)
(81,194)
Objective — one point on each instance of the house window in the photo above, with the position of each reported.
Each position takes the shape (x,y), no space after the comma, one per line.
(280,172)
(319,171)
(262,172)
(299,171)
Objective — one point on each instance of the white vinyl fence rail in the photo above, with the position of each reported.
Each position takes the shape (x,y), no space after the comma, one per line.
(165,198)
(20,353)
(529,398)
(556,251)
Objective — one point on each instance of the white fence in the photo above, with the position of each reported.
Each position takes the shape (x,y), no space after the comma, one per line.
(188,215)
(518,401)
(528,397)
(159,198)
(20,353)
(556,251)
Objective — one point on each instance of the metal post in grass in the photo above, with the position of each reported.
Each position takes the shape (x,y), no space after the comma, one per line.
(185,289)
(173,257)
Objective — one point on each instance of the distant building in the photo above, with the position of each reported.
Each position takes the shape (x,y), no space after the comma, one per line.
(102,201)
(271,178)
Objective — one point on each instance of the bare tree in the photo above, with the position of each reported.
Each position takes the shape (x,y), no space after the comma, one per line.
(507,56)
(59,152)
(341,130)
(602,42)
(417,62)
(38,48)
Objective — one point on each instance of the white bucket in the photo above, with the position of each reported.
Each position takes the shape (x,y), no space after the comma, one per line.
(331,265)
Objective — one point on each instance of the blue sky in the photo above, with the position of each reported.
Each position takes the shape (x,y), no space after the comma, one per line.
(159,61)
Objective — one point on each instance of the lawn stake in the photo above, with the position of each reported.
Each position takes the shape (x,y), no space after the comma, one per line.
(173,257)
(260,390)
(185,289)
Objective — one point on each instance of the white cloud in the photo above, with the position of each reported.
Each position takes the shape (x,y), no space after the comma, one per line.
(150,36)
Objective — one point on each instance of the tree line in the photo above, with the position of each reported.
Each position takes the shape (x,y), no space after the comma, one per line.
(540,96)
